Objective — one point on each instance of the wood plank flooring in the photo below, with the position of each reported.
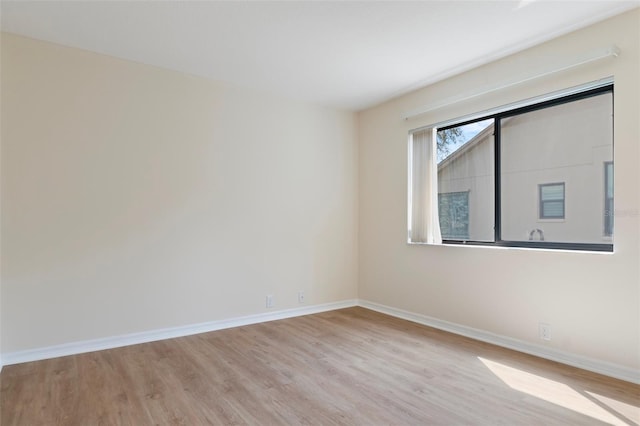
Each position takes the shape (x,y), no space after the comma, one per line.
(346,367)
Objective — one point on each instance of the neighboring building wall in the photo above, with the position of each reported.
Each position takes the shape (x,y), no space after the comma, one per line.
(472,171)
(573,151)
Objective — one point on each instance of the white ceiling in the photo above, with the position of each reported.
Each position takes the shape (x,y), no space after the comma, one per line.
(343,54)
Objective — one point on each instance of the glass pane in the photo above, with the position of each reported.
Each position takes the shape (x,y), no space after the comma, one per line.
(608,206)
(465,182)
(553,209)
(552,192)
(565,143)
(453,209)
(609,180)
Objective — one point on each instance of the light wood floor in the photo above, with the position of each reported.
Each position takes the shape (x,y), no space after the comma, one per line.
(351,366)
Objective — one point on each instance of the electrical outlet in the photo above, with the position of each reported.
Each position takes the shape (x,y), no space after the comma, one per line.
(544,331)
(301,297)
(270,301)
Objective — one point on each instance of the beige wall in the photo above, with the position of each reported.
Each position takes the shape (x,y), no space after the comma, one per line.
(591,300)
(136,198)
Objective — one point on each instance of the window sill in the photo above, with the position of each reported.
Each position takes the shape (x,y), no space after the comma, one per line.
(512,248)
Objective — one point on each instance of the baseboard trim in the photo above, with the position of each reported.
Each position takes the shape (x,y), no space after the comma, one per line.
(74,348)
(80,347)
(596,366)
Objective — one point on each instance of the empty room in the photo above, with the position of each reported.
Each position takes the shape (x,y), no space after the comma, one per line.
(320,212)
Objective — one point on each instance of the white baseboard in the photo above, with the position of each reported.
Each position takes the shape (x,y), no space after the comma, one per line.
(601,367)
(596,366)
(167,333)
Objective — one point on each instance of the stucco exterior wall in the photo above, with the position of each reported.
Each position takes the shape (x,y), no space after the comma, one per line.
(568,143)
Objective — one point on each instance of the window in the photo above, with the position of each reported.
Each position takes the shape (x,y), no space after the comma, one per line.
(522,177)
(453,211)
(466,170)
(608,199)
(551,196)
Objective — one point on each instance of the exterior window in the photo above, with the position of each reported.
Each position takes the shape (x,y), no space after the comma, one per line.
(608,199)
(497,162)
(465,176)
(551,197)
(563,145)
(453,210)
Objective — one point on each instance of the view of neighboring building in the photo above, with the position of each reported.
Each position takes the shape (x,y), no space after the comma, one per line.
(556,166)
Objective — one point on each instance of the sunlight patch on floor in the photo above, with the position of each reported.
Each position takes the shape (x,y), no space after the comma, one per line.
(629,411)
(560,394)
